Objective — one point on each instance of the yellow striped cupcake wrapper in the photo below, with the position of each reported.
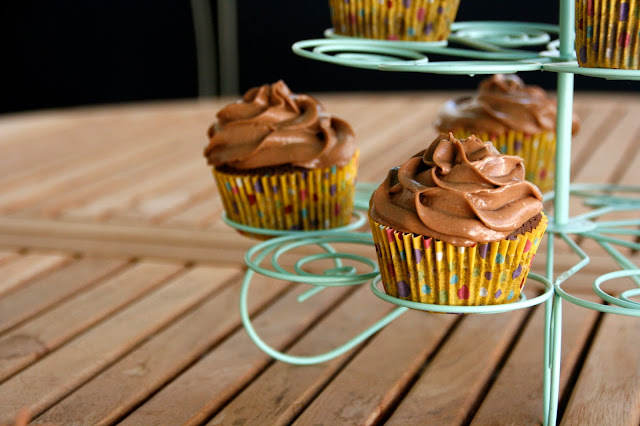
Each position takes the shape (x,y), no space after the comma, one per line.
(538,151)
(426,270)
(608,33)
(302,200)
(412,20)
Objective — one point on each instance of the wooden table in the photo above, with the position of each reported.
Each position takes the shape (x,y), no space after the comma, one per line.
(119,289)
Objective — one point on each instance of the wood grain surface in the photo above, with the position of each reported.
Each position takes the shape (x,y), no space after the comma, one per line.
(120,287)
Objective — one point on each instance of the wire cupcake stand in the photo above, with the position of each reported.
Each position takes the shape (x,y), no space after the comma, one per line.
(485,48)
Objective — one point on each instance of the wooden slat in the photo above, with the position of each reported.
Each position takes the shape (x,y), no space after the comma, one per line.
(28,267)
(608,391)
(54,160)
(452,382)
(83,184)
(217,253)
(82,358)
(120,180)
(127,240)
(7,255)
(594,128)
(104,206)
(123,240)
(206,386)
(607,100)
(516,396)
(142,372)
(171,195)
(124,153)
(156,207)
(14,158)
(287,389)
(377,377)
(630,175)
(615,150)
(363,120)
(200,215)
(54,288)
(32,340)
(596,160)
(610,152)
(15,128)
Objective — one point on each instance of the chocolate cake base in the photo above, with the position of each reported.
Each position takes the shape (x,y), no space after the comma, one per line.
(262,171)
(528,226)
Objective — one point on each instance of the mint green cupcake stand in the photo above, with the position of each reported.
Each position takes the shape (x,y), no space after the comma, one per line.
(485,48)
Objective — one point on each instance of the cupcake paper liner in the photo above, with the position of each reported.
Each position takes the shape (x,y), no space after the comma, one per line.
(412,20)
(426,270)
(607,33)
(538,151)
(300,200)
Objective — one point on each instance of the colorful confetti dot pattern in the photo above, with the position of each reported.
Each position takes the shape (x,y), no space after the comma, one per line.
(538,151)
(310,200)
(425,270)
(412,20)
(608,33)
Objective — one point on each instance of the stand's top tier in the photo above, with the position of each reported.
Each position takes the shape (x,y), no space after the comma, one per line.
(481,48)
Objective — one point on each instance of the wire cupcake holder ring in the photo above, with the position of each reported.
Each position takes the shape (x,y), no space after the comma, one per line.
(487,48)
(270,251)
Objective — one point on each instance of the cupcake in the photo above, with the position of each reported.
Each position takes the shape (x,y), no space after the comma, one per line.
(282,163)
(607,34)
(519,119)
(457,225)
(417,20)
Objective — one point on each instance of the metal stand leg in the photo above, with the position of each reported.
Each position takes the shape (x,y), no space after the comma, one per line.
(306,360)
(555,352)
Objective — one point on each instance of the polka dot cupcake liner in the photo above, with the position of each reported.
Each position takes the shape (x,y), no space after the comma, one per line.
(422,269)
(608,33)
(302,200)
(538,151)
(412,20)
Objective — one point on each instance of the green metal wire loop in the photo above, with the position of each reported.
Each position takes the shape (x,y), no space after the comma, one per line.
(599,196)
(367,54)
(492,46)
(310,359)
(486,309)
(280,245)
(606,73)
(621,306)
(338,276)
(624,301)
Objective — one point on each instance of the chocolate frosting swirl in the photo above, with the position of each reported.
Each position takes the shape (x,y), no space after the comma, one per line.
(459,191)
(503,103)
(272,127)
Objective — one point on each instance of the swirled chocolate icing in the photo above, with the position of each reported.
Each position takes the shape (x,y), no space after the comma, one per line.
(503,103)
(459,191)
(271,126)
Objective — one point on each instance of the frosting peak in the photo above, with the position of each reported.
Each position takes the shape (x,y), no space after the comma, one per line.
(503,103)
(271,126)
(458,191)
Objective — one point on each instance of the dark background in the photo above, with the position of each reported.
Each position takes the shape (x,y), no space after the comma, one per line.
(79,52)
